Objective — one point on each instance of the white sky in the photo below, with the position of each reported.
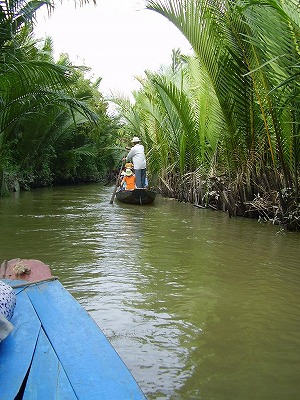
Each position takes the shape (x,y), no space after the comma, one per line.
(117,39)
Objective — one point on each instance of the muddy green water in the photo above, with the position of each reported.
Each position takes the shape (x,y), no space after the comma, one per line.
(199,306)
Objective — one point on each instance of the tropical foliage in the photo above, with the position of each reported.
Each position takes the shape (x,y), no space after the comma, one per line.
(222,126)
(54,126)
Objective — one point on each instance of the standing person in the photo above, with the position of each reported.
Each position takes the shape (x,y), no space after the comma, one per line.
(137,155)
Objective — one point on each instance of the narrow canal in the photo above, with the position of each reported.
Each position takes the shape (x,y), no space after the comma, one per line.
(199,306)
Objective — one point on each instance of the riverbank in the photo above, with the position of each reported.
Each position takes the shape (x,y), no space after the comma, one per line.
(257,200)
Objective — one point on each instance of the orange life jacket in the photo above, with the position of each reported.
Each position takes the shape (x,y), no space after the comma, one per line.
(130,182)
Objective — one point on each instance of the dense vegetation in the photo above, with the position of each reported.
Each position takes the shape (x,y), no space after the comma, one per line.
(54,126)
(222,127)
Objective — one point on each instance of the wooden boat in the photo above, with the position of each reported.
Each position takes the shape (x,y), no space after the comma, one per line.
(136,196)
(56,350)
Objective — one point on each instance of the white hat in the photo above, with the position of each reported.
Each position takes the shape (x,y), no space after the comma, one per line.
(135,139)
(128,172)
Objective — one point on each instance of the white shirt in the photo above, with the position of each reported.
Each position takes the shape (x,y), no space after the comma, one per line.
(137,155)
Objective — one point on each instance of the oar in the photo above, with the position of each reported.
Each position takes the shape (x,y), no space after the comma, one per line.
(116,187)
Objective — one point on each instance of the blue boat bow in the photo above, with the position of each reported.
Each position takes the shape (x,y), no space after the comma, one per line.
(57,351)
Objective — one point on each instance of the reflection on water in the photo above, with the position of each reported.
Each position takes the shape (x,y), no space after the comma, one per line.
(199,306)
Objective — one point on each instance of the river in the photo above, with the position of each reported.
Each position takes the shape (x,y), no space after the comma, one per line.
(199,306)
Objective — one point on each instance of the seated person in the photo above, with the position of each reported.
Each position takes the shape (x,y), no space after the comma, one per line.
(129,165)
(129,180)
(7,305)
(122,186)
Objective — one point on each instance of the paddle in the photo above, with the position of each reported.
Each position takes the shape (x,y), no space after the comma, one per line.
(116,187)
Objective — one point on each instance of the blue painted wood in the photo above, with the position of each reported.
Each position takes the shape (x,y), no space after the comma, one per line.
(17,349)
(47,379)
(13,283)
(92,365)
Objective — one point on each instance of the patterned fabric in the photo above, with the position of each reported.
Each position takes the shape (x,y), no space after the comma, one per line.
(7,300)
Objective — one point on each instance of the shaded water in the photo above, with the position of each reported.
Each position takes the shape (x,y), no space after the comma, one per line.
(199,306)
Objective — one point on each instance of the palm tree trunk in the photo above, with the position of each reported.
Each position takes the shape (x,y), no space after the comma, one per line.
(3,185)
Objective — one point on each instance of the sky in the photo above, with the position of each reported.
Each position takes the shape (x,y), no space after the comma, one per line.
(117,39)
